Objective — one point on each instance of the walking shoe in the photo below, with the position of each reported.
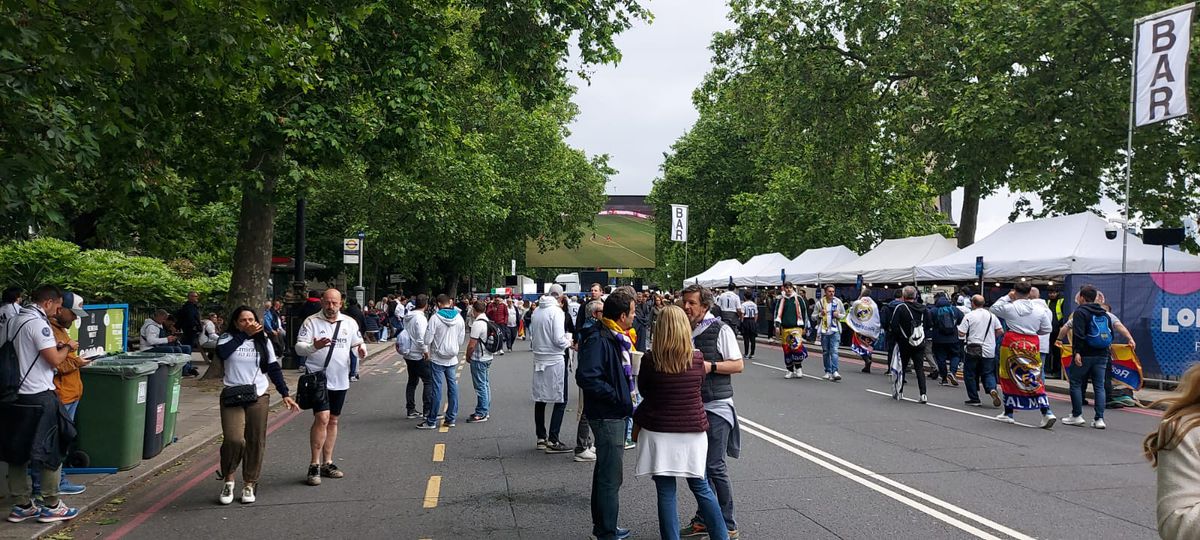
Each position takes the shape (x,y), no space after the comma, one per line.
(865,369)
(248,494)
(827,376)
(837,377)
(226,493)
(622,534)
(629,444)
(694,529)
(733,535)
(330,470)
(789,375)
(995,397)
(1098,423)
(1073,420)
(314,475)
(1048,421)
(973,403)
(58,512)
(415,414)
(555,447)
(943,382)
(586,455)
(953,379)
(799,372)
(21,513)
(541,444)
(1005,418)
(427,425)
(67,488)
(448,423)
(475,419)
(924,399)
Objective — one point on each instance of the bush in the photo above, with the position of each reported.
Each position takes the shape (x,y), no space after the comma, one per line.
(102,276)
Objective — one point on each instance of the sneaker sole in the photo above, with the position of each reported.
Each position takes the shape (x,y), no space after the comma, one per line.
(20,520)
(584,460)
(479,421)
(313,481)
(56,519)
(1050,423)
(995,398)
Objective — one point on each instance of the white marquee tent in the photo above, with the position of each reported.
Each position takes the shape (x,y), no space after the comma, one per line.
(808,266)
(717,275)
(893,260)
(761,271)
(1052,248)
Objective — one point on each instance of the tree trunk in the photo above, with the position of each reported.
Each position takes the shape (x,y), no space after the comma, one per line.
(969,219)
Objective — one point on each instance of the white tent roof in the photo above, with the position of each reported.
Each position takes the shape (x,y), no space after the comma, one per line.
(1052,248)
(807,267)
(717,275)
(761,271)
(893,260)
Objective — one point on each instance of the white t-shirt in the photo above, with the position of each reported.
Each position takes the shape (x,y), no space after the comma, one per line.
(8,311)
(728,301)
(512,316)
(980,327)
(479,331)
(749,309)
(316,327)
(242,366)
(32,338)
(727,342)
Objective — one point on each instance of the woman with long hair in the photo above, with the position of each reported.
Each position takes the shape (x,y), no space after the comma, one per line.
(249,361)
(671,424)
(1174,450)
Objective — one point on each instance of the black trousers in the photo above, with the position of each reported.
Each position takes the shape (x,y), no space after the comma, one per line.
(419,371)
(915,357)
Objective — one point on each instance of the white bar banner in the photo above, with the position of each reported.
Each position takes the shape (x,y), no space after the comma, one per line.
(1161,69)
(679,222)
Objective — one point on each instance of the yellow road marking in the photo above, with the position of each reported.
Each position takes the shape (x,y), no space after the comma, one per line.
(444,429)
(432,490)
(439,452)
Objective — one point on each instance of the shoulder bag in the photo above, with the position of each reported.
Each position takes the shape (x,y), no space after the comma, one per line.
(245,394)
(310,390)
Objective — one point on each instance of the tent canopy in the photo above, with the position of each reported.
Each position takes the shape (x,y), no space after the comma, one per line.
(893,260)
(807,267)
(717,275)
(761,271)
(1052,248)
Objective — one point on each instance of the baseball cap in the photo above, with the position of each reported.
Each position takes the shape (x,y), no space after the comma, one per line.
(74,302)
(555,290)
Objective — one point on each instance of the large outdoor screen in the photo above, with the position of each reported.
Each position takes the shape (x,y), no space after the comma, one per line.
(622,237)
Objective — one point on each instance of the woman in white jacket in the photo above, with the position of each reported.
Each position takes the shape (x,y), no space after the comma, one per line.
(1175,451)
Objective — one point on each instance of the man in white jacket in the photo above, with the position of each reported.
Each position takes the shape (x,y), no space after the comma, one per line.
(548,332)
(443,339)
(415,325)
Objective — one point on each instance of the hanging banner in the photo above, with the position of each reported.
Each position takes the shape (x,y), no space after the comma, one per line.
(679,222)
(1161,68)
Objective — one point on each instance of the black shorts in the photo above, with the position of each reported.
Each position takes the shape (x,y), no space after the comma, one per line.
(335,400)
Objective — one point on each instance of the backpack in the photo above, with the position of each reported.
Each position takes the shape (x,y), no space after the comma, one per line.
(1099,334)
(403,343)
(917,338)
(945,321)
(493,341)
(10,367)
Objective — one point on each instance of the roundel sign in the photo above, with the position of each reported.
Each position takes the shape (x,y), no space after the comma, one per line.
(350,245)
(351,249)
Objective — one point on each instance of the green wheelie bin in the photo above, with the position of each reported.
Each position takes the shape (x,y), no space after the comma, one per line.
(174,363)
(111,418)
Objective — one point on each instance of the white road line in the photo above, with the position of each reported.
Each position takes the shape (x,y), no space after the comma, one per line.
(776,368)
(931,404)
(869,478)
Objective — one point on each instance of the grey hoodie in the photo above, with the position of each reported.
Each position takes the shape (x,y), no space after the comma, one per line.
(415,324)
(1022,316)
(444,337)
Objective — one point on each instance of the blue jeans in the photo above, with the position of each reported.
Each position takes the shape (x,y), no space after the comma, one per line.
(607,475)
(450,375)
(978,369)
(1093,367)
(668,509)
(829,351)
(947,355)
(483,391)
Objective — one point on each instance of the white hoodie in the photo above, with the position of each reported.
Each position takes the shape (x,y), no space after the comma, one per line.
(1022,316)
(444,337)
(547,330)
(415,324)
(151,335)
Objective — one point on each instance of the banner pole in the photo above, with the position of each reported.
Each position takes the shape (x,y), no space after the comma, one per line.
(1129,163)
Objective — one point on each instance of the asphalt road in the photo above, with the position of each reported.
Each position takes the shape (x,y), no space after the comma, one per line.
(819,460)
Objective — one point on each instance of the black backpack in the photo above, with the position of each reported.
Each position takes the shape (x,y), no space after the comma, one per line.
(494,340)
(10,367)
(945,321)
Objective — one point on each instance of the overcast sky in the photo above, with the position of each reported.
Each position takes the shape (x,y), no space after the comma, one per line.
(635,110)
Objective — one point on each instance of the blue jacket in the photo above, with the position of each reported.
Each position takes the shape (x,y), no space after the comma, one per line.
(601,376)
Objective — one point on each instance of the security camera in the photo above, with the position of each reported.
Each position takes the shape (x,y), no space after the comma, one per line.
(1110,231)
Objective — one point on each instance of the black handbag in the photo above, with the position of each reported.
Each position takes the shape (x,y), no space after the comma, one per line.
(246,394)
(311,390)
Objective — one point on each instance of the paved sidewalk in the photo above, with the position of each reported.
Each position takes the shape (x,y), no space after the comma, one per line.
(198,422)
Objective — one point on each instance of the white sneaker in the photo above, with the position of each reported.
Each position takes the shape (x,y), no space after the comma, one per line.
(837,376)
(586,455)
(248,494)
(1098,423)
(799,372)
(1048,421)
(924,399)
(1005,418)
(789,375)
(1073,421)
(827,376)
(226,493)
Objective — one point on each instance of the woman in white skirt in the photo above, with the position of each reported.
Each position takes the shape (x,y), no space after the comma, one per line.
(670,424)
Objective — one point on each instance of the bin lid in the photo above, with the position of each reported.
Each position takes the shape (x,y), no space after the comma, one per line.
(170,359)
(127,368)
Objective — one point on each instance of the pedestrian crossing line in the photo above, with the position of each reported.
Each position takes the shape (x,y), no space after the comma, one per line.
(931,404)
(777,368)
(433,490)
(439,452)
(897,491)
(397,363)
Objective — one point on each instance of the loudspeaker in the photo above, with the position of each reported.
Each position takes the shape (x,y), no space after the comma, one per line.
(541,286)
(1162,236)
(510,281)
(637,284)
(586,279)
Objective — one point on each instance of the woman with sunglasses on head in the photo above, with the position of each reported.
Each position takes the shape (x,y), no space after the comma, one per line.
(249,361)
(671,424)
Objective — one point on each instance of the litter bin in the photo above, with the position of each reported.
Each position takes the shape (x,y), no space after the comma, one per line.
(174,363)
(111,418)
